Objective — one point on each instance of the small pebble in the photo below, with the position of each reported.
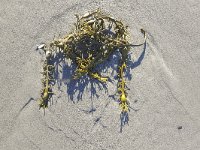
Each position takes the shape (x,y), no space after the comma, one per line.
(180,127)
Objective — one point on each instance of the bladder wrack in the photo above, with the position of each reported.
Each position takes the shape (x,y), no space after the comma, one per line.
(95,38)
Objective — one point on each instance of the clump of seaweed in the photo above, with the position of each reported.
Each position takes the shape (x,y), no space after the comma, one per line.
(96,36)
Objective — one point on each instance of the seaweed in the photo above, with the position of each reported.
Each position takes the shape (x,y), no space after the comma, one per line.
(96,37)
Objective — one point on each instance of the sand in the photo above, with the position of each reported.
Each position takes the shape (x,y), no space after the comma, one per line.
(163,79)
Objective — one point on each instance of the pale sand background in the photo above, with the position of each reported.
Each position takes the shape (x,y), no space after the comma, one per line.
(165,84)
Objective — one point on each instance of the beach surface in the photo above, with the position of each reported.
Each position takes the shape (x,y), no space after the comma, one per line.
(163,78)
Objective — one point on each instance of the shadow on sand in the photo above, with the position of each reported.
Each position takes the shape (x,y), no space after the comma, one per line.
(76,88)
(64,72)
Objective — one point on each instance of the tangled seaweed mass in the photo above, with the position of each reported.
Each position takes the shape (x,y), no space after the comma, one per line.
(95,38)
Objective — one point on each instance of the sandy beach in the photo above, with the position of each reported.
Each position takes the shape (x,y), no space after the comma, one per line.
(163,78)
